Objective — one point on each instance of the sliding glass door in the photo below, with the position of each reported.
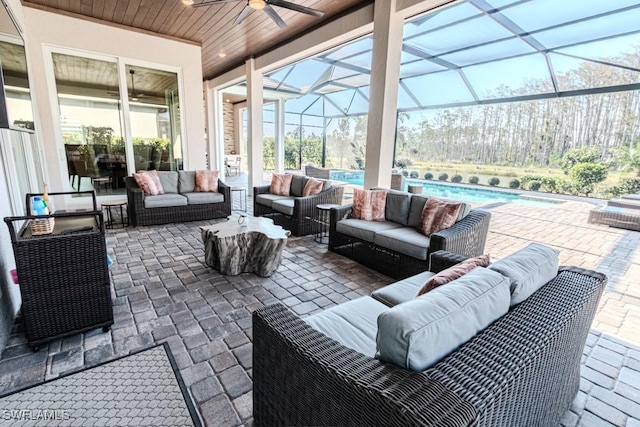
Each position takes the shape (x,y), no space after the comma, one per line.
(95,103)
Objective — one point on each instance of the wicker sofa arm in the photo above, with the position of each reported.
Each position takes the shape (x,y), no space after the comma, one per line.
(465,237)
(135,199)
(225,190)
(441,260)
(305,205)
(303,377)
(263,189)
(524,369)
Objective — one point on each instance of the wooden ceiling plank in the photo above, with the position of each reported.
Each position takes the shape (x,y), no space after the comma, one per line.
(222,16)
(86,7)
(177,14)
(98,9)
(130,12)
(109,10)
(198,19)
(154,10)
(121,8)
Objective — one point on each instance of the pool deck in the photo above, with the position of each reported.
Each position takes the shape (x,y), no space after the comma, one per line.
(164,292)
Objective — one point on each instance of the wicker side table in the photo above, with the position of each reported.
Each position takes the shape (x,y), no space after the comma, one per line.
(63,276)
(322,221)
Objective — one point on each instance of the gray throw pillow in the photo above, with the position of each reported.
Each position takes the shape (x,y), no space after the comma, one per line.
(187,181)
(397,207)
(528,269)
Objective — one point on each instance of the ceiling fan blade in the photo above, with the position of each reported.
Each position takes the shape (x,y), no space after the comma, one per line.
(212,2)
(296,7)
(274,15)
(243,15)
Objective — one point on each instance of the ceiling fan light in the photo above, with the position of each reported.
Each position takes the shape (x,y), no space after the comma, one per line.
(257,4)
(187,2)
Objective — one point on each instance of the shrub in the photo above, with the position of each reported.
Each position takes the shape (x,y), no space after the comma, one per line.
(473,179)
(514,183)
(456,178)
(579,156)
(494,181)
(586,175)
(443,177)
(414,174)
(428,175)
(534,185)
(405,173)
(403,163)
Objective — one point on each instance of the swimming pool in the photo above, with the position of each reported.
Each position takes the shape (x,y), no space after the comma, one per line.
(474,195)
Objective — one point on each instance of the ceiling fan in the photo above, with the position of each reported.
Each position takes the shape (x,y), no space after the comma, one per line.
(261,5)
(133,95)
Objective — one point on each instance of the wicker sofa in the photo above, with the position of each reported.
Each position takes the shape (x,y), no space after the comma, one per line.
(179,203)
(394,246)
(294,212)
(521,370)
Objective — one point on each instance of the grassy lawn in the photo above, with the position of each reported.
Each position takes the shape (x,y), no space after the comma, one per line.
(504,173)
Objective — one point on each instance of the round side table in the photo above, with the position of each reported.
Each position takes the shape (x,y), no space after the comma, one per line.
(243,198)
(322,221)
(110,222)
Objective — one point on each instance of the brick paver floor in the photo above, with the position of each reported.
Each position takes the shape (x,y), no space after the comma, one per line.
(163,291)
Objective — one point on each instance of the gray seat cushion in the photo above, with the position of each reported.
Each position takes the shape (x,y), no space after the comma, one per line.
(403,290)
(354,324)
(267,199)
(169,181)
(417,205)
(164,201)
(283,205)
(186,181)
(418,333)
(202,198)
(528,269)
(364,230)
(406,240)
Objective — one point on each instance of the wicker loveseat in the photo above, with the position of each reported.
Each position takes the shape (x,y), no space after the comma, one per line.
(394,246)
(180,202)
(295,212)
(521,370)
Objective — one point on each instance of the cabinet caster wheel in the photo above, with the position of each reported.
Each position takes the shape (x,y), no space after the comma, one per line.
(106,328)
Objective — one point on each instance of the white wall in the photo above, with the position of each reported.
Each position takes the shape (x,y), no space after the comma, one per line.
(44,29)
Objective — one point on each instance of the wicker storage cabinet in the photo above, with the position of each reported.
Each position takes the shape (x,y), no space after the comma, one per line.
(63,276)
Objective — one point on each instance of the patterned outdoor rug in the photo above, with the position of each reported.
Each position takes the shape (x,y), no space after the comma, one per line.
(141,389)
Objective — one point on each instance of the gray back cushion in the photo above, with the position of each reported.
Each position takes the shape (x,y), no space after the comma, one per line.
(169,181)
(397,207)
(297,185)
(187,181)
(418,333)
(528,269)
(417,205)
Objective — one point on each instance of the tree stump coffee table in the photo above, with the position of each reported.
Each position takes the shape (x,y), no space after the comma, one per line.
(232,248)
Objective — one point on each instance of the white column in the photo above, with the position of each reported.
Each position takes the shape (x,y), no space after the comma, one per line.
(383,95)
(255,143)
(279,144)
(215,131)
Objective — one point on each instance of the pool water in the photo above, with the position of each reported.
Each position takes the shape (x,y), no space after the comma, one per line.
(474,195)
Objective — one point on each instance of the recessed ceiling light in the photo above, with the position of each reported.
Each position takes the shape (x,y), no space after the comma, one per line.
(227,100)
(222,54)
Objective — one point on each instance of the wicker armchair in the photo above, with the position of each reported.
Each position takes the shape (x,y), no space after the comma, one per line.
(303,221)
(522,370)
(466,237)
